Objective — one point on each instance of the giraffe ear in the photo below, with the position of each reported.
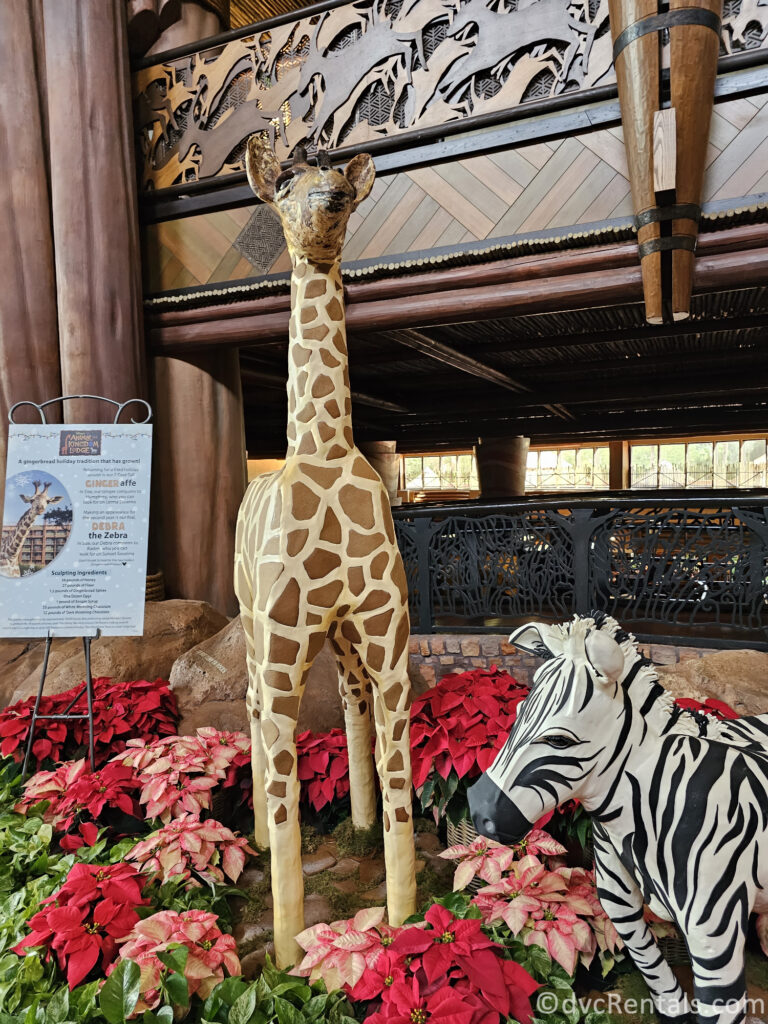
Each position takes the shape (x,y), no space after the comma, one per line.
(360,173)
(262,167)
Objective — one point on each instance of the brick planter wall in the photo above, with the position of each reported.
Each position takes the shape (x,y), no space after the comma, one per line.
(435,655)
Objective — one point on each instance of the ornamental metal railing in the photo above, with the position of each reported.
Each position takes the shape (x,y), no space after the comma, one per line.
(675,567)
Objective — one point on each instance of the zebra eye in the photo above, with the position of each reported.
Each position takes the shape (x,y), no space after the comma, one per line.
(558,742)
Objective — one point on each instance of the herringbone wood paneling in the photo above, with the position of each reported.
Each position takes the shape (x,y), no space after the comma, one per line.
(575,181)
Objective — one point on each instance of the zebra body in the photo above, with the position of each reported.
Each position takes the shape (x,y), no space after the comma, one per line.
(680,818)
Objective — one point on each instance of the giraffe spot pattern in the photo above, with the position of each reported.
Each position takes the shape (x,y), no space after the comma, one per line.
(307,446)
(397,783)
(374,600)
(281,815)
(340,342)
(337,452)
(329,360)
(401,814)
(269,573)
(348,437)
(331,530)
(356,580)
(315,333)
(401,639)
(314,647)
(295,541)
(392,696)
(322,386)
(320,563)
(326,432)
(313,620)
(285,610)
(361,467)
(283,762)
(287,706)
(269,733)
(334,309)
(359,545)
(325,596)
(300,356)
(379,564)
(349,632)
(282,651)
(395,763)
(308,315)
(322,475)
(357,505)
(315,288)
(332,408)
(377,625)
(304,503)
(276,788)
(375,657)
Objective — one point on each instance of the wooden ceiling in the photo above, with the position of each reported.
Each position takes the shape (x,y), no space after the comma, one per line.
(249,12)
(587,374)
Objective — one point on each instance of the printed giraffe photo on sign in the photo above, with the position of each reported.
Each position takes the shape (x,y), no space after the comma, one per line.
(34,531)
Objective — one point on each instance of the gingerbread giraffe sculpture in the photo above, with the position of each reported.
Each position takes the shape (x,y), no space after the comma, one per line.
(10,549)
(316,557)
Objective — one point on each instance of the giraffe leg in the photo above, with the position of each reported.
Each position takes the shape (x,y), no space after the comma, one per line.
(253,706)
(282,690)
(355,688)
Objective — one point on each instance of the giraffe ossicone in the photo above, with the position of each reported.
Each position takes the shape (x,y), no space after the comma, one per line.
(316,558)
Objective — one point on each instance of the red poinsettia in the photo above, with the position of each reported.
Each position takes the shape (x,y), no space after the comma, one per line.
(405,1003)
(120,710)
(78,798)
(83,920)
(457,728)
(323,767)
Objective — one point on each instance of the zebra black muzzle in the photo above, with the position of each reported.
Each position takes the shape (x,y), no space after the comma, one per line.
(494,814)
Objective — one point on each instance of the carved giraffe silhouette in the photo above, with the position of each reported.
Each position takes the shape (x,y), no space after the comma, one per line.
(12,543)
(316,557)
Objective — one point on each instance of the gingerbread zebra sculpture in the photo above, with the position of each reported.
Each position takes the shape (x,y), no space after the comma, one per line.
(316,558)
(680,818)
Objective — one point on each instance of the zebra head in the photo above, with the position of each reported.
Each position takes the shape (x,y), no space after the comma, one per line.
(562,733)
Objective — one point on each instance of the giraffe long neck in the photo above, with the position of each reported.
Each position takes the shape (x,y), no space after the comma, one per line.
(319,402)
(13,543)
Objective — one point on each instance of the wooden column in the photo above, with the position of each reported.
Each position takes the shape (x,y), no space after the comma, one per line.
(200,471)
(29,351)
(501,464)
(199,474)
(93,202)
(618,465)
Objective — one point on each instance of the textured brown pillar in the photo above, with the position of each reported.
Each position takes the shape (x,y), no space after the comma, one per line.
(199,474)
(383,456)
(93,202)
(501,463)
(29,351)
(618,467)
(199,471)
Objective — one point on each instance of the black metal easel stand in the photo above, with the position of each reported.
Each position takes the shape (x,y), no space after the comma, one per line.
(65,716)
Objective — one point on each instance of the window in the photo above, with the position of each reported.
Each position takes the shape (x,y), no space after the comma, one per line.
(571,469)
(454,472)
(737,462)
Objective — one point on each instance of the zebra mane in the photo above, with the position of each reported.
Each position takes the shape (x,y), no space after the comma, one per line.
(670,717)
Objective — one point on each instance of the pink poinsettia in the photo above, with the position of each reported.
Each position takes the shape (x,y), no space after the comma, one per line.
(340,953)
(186,845)
(210,952)
(177,773)
(515,898)
(486,859)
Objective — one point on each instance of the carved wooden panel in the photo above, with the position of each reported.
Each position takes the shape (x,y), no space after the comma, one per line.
(549,185)
(377,68)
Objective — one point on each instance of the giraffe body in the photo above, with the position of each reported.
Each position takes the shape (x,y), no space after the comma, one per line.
(316,558)
(10,549)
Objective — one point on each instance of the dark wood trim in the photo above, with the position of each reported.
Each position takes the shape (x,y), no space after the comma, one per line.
(278,381)
(428,147)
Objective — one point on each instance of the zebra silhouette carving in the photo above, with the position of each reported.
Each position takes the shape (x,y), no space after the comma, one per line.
(679,805)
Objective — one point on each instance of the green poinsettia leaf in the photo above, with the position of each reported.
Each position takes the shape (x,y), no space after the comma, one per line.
(118,997)
(243,1007)
(177,989)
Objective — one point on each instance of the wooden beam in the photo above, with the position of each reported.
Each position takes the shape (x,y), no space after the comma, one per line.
(278,381)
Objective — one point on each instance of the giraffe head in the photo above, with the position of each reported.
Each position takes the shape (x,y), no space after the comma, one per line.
(313,202)
(40,500)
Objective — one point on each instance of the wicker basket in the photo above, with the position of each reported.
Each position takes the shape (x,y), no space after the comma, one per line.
(155,587)
(674,950)
(462,835)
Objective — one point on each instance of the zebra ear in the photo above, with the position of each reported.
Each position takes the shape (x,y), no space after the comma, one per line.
(605,655)
(536,638)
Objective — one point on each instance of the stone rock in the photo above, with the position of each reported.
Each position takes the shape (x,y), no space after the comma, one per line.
(245,933)
(347,886)
(170,629)
(251,875)
(320,860)
(210,682)
(316,910)
(253,963)
(346,866)
(427,841)
(740,678)
(379,894)
(372,870)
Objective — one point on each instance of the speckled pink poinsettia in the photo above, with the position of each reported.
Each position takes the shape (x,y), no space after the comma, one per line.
(211,953)
(177,773)
(489,860)
(187,845)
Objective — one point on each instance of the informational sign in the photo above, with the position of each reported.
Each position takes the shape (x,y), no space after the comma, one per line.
(73,555)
